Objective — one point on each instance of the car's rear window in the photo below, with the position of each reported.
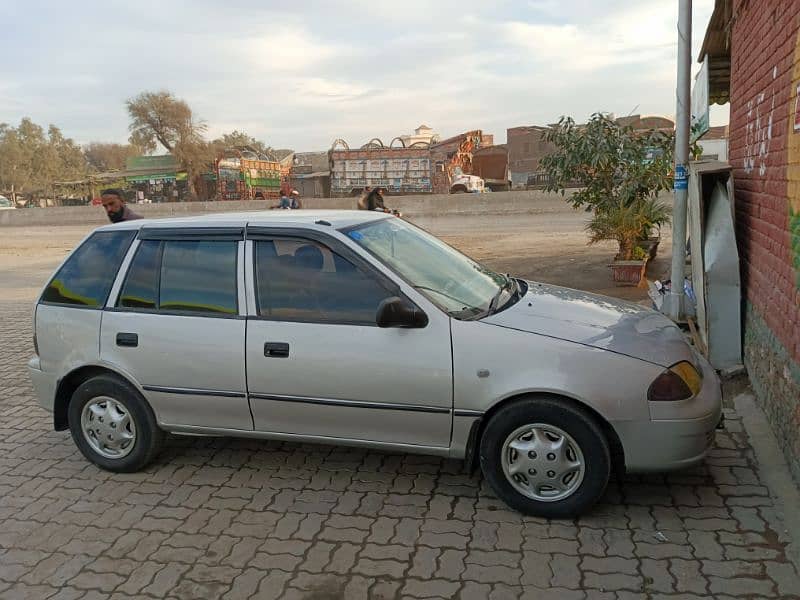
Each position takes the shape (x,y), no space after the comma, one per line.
(86,278)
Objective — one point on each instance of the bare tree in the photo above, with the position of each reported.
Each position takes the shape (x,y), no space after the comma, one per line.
(161,118)
(103,156)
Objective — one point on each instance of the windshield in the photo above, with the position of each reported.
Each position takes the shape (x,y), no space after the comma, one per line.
(455,283)
(5,202)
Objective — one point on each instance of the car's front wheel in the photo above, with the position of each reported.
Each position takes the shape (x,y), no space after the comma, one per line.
(545,457)
(112,425)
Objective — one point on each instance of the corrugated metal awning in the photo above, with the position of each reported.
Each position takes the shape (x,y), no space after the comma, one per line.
(716,45)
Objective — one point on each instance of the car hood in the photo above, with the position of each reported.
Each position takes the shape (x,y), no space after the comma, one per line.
(597,321)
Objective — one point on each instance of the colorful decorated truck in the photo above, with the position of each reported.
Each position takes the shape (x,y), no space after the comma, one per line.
(418,169)
(243,175)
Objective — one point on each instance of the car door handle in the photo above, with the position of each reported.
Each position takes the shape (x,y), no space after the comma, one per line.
(276,349)
(128,340)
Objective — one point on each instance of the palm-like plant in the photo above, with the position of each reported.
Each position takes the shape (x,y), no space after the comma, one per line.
(627,223)
(655,213)
(621,222)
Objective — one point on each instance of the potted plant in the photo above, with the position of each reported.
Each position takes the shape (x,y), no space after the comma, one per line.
(620,172)
(622,223)
(655,214)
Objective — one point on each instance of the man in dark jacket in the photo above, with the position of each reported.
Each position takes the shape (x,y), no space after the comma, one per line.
(374,200)
(114,203)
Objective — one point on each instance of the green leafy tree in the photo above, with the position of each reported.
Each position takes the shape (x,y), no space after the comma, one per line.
(32,160)
(240,139)
(620,172)
(20,148)
(609,162)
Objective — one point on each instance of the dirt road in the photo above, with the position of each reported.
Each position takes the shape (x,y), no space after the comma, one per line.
(548,246)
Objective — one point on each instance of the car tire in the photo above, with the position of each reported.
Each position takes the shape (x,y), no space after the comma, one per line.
(112,425)
(545,457)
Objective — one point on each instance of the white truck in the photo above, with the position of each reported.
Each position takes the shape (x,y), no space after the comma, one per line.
(466,183)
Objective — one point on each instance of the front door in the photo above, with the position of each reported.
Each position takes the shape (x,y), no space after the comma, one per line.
(317,364)
(175,327)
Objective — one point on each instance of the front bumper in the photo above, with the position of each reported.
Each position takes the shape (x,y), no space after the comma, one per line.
(679,434)
(44,384)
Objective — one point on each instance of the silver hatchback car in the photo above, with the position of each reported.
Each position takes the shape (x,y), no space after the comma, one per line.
(359,328)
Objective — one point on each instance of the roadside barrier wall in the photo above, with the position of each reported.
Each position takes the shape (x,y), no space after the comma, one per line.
(497,203)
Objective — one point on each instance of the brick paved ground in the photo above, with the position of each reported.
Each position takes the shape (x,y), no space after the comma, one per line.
(239,519)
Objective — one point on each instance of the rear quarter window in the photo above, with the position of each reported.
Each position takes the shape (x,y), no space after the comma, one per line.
(86,278)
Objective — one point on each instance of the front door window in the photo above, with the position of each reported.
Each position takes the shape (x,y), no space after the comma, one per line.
(301,280)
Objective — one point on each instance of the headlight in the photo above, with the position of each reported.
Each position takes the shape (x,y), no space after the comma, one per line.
(680,382)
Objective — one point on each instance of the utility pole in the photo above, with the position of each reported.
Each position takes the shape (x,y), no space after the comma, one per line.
(683,94)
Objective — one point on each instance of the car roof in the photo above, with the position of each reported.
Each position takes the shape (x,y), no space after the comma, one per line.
(338,219)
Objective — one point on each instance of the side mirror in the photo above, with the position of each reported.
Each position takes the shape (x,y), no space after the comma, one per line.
(396,312)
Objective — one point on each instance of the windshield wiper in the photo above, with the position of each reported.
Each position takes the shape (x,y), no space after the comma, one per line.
(510,281)
(468,313)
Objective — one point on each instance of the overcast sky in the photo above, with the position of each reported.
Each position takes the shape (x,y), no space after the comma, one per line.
(299,74)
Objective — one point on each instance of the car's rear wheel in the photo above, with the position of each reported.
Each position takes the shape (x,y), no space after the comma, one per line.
(545,457)
(112,425)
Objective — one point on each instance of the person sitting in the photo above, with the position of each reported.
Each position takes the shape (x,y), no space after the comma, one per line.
(284,201)
(362,199)
(295,203)
(374,201)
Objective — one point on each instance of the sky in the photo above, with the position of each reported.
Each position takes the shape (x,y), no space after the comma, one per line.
(299,74)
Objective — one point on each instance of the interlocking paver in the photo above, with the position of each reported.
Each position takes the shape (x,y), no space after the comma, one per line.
(742,586)
(242,519)
(688,577)
(612,581)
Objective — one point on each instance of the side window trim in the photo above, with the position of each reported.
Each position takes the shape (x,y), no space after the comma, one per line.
(101,305)
(249,273)
(198,234)
(299,236)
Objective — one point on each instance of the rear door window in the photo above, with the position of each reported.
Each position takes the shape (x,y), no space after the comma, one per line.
(199,276)
(86,278)
(140,289)
(191,276)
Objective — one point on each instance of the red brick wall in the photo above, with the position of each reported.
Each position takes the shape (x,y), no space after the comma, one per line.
(765,53)
(765,155)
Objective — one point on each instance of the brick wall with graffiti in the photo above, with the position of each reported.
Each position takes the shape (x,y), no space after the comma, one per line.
(765,155)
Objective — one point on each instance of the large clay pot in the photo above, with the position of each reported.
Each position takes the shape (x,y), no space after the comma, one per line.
(628,272)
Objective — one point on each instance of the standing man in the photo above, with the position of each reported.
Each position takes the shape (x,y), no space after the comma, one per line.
(114,202)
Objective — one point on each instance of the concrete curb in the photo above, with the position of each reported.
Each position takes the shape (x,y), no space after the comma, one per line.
(774,470)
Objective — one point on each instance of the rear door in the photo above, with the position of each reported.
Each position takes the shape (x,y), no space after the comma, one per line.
(318,365)
(70,310)
(176,326)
